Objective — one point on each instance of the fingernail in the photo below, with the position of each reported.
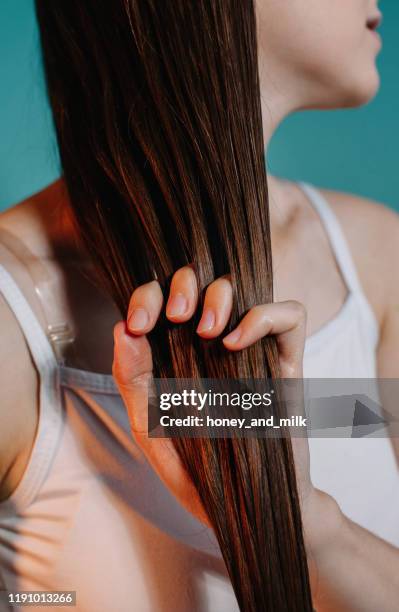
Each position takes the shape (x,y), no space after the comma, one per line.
(177,305)
(207,321)
(138,320)
(233,337)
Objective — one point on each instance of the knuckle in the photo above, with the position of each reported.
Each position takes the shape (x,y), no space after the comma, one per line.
(137,383)
(260,310)
(129,372)
(132,357)
(115,369)
(297,308)
(119,328)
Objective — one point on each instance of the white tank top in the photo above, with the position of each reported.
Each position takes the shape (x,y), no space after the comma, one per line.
(89,513)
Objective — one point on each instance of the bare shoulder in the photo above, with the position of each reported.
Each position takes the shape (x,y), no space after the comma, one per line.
(363,214)
(372,231)
(18,401)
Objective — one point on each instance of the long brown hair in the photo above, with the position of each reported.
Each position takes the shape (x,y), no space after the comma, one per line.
(157,112)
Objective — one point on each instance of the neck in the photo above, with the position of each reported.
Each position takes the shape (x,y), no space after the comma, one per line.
(52,213)
(276,105)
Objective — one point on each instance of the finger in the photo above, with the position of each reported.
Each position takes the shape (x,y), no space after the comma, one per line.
(183,295)
(132,371)
(132,356)
(286,320)
(218,303)
(144,308)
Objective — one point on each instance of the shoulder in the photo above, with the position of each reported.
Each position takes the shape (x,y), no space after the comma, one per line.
(363,214)
(18,400)
(372,232)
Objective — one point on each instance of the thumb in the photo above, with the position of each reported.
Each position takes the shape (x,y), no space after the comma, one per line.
(132,371)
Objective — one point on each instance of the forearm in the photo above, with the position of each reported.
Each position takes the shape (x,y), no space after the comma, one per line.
(351,569)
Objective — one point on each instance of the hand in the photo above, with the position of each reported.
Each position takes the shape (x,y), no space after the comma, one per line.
(132,367)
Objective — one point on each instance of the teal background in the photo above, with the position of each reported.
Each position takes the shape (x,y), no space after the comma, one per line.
(350,150)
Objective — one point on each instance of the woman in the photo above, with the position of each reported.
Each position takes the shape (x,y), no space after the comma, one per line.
(140,538)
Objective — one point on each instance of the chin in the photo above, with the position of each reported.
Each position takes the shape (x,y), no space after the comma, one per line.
(360,91)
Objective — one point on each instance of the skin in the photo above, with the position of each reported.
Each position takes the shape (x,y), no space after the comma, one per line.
(317,54)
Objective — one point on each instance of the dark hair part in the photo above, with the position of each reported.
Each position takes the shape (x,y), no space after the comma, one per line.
(157,112)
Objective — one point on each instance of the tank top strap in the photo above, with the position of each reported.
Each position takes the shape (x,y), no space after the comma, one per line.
(50,421)
(336,236)
(44,340)
(36,339)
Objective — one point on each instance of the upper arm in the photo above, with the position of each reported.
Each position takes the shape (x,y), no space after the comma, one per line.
(388,348)
(381,250)
(18,401)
